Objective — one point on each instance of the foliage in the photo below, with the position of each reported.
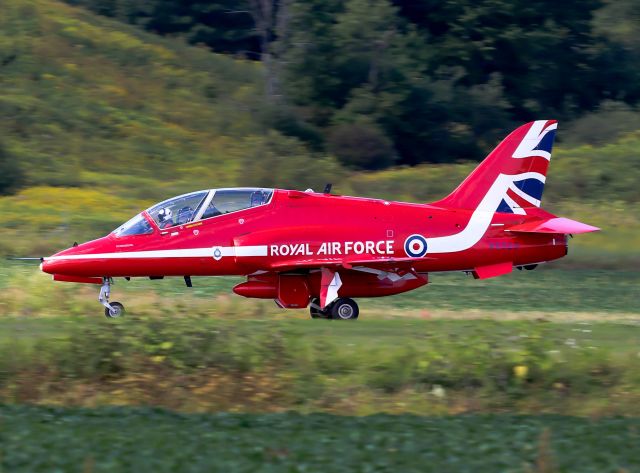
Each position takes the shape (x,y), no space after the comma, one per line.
(87,94)
(447,77)
(187,364)
(361,146)
(604,126)
(11,174)
(599,175)
(278,161)
(226,26)
(130,119)
(560,292)
(121,439)
(38,218)
(557,341)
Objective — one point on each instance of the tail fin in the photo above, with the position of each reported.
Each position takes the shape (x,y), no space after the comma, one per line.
(512,177)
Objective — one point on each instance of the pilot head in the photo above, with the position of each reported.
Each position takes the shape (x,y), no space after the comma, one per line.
(258,198)
(164,215)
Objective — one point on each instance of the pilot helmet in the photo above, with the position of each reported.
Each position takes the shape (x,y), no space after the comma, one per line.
(164,215)
(258,198)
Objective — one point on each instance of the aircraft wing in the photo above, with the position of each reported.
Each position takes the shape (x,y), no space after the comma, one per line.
(398,271)
(382,264)
(553,225)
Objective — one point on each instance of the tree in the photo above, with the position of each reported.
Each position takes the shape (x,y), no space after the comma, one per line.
(271,18)
(361,146)
(546,53)
(361,63)
(11,175)
(226,26)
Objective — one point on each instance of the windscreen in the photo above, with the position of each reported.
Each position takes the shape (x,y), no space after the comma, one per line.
(178,210)
(138,225)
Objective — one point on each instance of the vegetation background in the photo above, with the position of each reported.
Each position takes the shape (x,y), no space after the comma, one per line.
(100,119)
(107,106)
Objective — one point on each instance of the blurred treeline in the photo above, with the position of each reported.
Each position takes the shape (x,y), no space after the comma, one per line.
(99,118)
(378,82)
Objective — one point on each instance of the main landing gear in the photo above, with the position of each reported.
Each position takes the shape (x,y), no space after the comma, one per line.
(112,310)
(340,309)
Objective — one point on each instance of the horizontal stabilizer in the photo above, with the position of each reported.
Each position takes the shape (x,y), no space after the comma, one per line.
(553,225)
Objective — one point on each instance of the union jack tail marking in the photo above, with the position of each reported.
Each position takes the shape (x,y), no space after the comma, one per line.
(512,177)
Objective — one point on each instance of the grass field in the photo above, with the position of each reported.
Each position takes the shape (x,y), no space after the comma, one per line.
(547,292)
(552,341)
(114,440)
(524,373)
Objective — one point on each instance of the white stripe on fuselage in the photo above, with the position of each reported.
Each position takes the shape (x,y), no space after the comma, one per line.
(260,250)
(481,217)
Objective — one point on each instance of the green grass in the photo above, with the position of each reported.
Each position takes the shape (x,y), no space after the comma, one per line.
(272,364)
(114,440)
(548,291)
(544,290)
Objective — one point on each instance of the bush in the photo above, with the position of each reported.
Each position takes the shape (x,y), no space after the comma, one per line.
(11,175)
(361,146)
(604,126)
(214,365)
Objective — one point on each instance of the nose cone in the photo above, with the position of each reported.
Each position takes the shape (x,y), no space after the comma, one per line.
(78,260)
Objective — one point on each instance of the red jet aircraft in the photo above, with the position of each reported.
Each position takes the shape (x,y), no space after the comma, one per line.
(321,250)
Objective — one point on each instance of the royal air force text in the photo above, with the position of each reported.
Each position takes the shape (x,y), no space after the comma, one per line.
(369,247)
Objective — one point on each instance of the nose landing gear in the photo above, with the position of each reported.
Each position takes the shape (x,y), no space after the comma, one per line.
(112,310)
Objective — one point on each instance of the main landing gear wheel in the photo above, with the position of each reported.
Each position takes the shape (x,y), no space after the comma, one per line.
(116,310)
(316,312)
(344,309)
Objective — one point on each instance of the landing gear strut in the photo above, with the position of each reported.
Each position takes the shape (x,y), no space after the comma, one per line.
(316,312)
(340,309)
(112,310)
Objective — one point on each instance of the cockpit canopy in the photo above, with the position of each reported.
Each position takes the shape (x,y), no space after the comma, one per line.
(195,206)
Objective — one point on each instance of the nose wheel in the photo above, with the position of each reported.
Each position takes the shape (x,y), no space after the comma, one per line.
(112,310)
(116,310)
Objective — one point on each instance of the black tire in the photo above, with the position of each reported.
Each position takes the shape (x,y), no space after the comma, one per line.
(344,309)
(116,313)
(317,313)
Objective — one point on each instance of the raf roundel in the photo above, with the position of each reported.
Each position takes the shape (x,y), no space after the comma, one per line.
(415,246)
